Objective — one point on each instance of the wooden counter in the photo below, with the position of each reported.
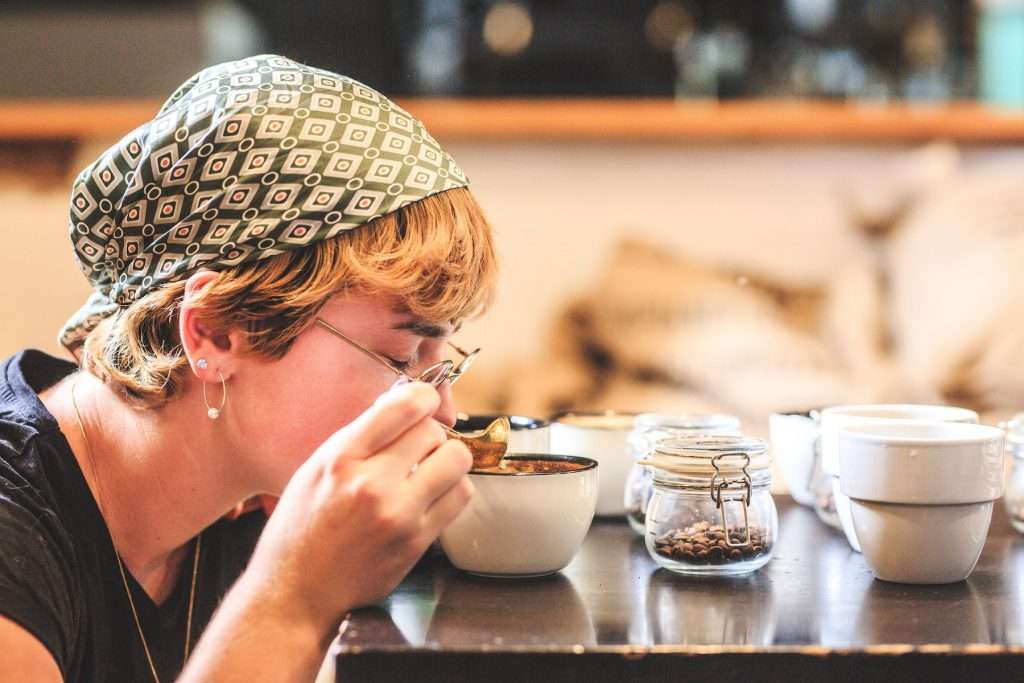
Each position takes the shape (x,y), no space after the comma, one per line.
(813,613)
(592,120)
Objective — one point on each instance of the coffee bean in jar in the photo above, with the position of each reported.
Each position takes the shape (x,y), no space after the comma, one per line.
(711,512)
(704,543)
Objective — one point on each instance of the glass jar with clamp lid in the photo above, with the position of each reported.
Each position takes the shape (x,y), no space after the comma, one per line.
(711,512)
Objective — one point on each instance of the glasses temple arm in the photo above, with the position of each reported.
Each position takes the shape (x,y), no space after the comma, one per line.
(341,335)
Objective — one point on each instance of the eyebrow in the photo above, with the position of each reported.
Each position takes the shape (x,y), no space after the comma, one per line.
(422,328)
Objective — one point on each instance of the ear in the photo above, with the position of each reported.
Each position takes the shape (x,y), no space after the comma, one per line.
(201,337)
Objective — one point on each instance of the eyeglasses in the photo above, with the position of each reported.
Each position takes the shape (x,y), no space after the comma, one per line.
(436,375)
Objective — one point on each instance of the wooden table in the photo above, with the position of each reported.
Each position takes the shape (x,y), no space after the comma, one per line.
(814,612)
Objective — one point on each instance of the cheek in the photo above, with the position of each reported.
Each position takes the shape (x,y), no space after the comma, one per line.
(316,413)
(311,402)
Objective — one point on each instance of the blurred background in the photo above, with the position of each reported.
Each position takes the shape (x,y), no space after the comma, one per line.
(700,204)
(846,49)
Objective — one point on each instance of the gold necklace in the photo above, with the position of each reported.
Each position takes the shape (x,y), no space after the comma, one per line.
(120,563)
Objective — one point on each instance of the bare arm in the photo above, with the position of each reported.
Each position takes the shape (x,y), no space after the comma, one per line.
(349,526)
(256,638)
(25,658)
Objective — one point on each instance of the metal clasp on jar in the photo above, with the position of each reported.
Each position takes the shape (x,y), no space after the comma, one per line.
(720,483)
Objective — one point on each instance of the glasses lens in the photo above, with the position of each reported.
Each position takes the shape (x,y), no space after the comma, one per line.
(436,374)
(464,365)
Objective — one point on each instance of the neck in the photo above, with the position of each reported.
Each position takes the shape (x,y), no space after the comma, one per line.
(160,476)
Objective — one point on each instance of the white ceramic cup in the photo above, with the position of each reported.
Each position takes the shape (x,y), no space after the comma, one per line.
(528,435)
(603,437)
(837,418)
(921,495)
(793,437)
(523,524)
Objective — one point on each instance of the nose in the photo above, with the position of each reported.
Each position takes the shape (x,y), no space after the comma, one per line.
(446,410)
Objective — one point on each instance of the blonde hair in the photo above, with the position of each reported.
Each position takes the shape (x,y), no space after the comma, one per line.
(434,257)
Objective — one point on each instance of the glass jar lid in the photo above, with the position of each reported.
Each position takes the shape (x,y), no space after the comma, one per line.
(707,456)
(703,423)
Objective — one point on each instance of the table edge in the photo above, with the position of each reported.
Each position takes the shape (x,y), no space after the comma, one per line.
(886,650)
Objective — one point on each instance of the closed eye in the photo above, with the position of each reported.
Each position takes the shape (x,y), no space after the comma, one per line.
(402,365)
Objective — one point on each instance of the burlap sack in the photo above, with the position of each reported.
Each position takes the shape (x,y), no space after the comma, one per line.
(956,291)
(739,343)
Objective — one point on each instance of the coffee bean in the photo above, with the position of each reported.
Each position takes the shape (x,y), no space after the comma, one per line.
(704,543)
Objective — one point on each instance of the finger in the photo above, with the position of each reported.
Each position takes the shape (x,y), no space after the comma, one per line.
(446,508)
(439,472)
(396,411)
(417,443)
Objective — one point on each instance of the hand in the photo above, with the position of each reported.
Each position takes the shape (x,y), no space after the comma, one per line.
(362,510)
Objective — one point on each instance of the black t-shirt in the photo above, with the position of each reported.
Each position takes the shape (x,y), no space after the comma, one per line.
(59,577)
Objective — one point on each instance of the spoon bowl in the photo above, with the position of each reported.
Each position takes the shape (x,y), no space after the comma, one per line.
(487,445)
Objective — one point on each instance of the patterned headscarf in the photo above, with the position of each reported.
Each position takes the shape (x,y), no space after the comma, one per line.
(246,160)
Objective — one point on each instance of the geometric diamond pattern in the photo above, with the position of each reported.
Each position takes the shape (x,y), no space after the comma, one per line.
(245,160)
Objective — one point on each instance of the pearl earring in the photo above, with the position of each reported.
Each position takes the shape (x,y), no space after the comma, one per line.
(211,412)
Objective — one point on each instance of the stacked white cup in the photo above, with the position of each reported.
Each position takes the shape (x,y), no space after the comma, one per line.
(838,418)
(920,495)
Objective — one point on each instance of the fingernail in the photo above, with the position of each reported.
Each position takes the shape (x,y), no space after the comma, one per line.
(399,382)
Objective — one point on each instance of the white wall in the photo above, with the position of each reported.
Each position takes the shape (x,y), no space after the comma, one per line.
(40,280)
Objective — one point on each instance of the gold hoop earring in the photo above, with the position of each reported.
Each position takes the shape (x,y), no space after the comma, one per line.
(211,412)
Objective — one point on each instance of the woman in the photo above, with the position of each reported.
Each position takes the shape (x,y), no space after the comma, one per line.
(275,256)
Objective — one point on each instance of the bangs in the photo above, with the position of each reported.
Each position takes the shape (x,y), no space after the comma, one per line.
(435,257)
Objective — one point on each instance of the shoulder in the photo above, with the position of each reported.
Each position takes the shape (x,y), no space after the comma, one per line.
(37,581)
(22,376)
(37,558)
(35,462)
(41,587)
(33,452)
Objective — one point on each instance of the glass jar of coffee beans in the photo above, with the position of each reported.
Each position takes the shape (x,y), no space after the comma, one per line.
(648,428)
(1013,498)
(711,512)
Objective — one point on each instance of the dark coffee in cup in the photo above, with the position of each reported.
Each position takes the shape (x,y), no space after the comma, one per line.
(532,464)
